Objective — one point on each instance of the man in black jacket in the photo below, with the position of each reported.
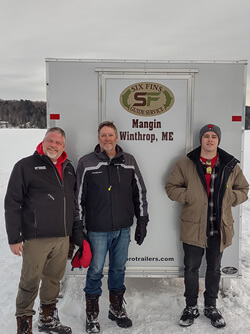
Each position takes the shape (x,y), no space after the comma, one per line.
(110,192)
(39,213)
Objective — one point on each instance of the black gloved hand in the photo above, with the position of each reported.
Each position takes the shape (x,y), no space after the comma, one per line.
(140,232)
(71,250)
(80,252)
(78,234)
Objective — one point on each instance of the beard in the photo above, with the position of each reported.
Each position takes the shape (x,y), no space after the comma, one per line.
(52,155)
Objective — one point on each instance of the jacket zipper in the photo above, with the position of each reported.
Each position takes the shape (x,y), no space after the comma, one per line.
(118,173)
(35,222)
(110,195)
(64,201)
(218,197)
(61,183)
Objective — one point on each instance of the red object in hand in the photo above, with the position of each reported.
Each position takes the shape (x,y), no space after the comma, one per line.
(82,257)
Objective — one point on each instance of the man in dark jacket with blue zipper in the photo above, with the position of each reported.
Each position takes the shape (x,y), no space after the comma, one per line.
(39,213)
(110,192)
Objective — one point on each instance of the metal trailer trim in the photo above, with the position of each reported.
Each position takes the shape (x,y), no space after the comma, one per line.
(149,272)
(241,164)
(47,95)
(147,61)
(148,70)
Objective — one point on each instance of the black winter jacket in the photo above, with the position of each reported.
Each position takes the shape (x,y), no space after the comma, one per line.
(38,203)
(110,192)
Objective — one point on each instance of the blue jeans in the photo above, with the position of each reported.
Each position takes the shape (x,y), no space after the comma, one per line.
(116,243)
(192,261)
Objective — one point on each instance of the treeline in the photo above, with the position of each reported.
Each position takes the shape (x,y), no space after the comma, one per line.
(23,114)
(32,114)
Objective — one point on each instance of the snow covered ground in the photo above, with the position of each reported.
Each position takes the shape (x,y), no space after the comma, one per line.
(153,304)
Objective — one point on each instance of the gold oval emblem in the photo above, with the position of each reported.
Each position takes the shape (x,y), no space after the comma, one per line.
(147,99)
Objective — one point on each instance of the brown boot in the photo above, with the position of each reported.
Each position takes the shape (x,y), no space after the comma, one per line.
(117,311)
(24,324)
(49,321)
(92,312)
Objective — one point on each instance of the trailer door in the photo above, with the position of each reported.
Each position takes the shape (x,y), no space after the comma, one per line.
(157,132)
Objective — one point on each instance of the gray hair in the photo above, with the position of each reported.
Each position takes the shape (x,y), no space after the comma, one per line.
(109,124)
(58,130)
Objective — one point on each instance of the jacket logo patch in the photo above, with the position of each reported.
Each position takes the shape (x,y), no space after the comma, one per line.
(96,173)
(40,167)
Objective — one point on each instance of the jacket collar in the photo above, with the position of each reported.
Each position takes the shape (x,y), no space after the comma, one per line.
(225,158)
(119,157)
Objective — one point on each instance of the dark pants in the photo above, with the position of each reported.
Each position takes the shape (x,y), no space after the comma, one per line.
(192,261)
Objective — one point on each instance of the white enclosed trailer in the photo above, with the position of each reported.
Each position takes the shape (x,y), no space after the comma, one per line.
(158,108)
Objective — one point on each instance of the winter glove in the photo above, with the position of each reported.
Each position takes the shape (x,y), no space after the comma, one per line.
(78,234)
(71,250)
(140,232)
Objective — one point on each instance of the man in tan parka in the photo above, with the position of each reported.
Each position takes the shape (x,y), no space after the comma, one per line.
(208,182)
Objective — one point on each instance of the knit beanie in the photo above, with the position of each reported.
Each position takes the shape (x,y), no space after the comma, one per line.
(210,127)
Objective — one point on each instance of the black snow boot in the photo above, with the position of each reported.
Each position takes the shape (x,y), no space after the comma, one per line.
(215,316)
(49,321)
(24,325)
(117,311)
(92,312)
(188,315)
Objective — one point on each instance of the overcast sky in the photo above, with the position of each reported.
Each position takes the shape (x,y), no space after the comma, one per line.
(33,30)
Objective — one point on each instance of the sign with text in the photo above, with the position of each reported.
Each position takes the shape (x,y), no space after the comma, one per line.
(146,99)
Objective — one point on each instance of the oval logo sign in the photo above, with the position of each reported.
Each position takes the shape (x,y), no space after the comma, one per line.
(147,99)
(229,270)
